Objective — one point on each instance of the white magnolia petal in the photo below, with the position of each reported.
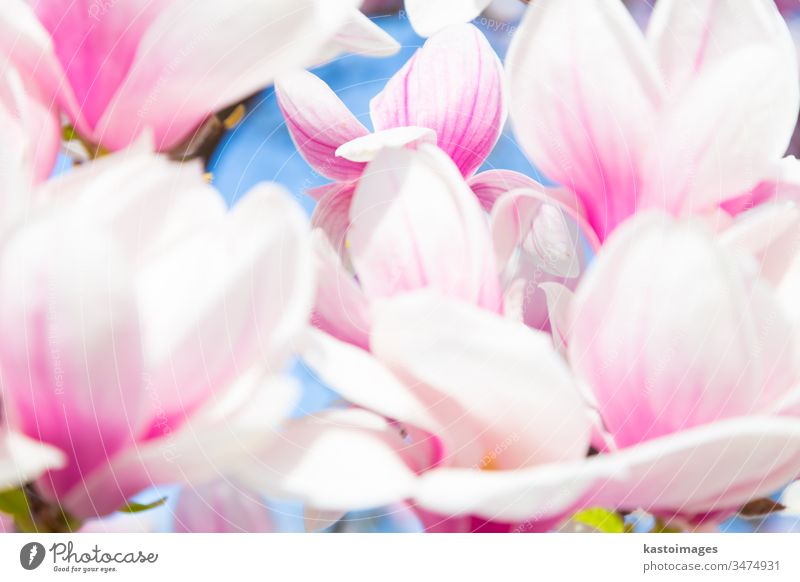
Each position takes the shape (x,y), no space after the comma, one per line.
(337,460)
(502,380)
(366,148)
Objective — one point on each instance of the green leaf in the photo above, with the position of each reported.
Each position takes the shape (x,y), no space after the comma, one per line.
(133,507)
(14,503)
(601,519)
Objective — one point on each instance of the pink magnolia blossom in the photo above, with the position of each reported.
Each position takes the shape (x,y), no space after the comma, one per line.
(689,357)
(685,351)
(449,389)
(485,421)
(449,93)
(152,326)
(119,68)
(691,116)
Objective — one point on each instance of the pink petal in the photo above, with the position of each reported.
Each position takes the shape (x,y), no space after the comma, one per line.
(199,56)
(670,335)
(96,46)
(700,156)
(688,40)
(488,186)
(584,95)
(218,441)
(220,302)
(332,214)
(452,85)
(74,375)
(430,16)
(319,124)
(537,240)
(32,134)
(767,234)
(341,308)
(416,224)
(544,223)
(30,48)
(782,183)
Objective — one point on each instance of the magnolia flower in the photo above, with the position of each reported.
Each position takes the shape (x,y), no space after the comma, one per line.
(449,93)
(118,68)
(411,223)
(152,327)
(448,387)
(694,115)
(689,357)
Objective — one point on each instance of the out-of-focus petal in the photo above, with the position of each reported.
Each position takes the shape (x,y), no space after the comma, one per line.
(362,36)
(221,507)
(768,234)
(23,460)
(341,308)
(718,467)
(584,93)
(73,377)
(666,322)
(689,39)
(782,183)
(537,494)
(218,441)
(206,304)
(337,460)
(31,134)
(723,135)
(361,379)
(200,56)
(454,86)
(96,45)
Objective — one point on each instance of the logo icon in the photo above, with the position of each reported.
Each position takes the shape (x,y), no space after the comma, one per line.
(31,555)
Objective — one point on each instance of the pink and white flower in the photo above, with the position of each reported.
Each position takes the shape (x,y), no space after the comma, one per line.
(119,68)
(449,93)
(689,357)
(151,327)
(451,391)
(692,116)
